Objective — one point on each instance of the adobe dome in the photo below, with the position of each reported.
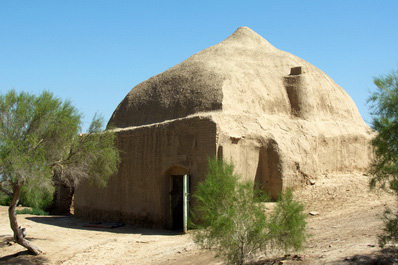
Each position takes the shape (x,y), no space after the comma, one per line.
(280,120)
(242,75)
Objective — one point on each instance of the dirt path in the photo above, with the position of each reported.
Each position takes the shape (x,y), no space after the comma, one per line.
(344,232)
(346,229)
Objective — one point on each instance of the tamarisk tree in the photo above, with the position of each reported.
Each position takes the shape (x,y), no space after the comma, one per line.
(40,144)
(384,167)
(231,219)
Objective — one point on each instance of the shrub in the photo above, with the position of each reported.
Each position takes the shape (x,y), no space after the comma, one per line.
(36,196)
(4,199)
(390,229)
(33,211)
(384,167)
(287,223)
(231,219)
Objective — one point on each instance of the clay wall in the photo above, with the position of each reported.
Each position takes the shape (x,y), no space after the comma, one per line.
(139,192)
(255,161)
(275,164)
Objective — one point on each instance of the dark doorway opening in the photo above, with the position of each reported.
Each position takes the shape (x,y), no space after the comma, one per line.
(268,175)
(176,201)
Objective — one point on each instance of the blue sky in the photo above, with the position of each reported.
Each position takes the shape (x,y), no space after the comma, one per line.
(94,52)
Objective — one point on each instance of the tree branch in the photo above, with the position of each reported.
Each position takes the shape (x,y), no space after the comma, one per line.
(2,189)
(37,145)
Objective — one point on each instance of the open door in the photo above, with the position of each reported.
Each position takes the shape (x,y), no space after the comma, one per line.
(179,202)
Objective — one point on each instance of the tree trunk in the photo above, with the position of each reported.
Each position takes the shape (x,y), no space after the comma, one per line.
(63,199)
(19,238)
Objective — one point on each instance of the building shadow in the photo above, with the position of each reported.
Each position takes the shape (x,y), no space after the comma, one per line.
(72,222)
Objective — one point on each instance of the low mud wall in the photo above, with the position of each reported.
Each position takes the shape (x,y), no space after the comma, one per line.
(140,192)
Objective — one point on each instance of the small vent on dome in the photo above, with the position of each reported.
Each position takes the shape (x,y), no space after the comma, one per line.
(296,70)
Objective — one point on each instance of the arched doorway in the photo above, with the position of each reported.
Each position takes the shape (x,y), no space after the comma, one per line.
(178,197)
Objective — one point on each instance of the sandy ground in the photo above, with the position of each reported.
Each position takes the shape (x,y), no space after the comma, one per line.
(344,232)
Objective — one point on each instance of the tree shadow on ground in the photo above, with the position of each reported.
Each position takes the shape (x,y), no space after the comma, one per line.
(385,256)
(291,259)
(24,258)
(72,222)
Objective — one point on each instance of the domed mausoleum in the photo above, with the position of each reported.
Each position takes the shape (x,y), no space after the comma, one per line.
(278,118)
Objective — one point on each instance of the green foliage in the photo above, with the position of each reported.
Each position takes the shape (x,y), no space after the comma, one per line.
(384,167)
(231,219)
(34,131)
(390,230)
(40,145)
(384,105)
(4,199)
(32,211)
(31,196)
(287,223)
(215,193)
(92,156)
(36,196)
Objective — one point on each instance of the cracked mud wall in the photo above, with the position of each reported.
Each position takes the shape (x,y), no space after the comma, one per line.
(139,192)
(289,155)
(256,160)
